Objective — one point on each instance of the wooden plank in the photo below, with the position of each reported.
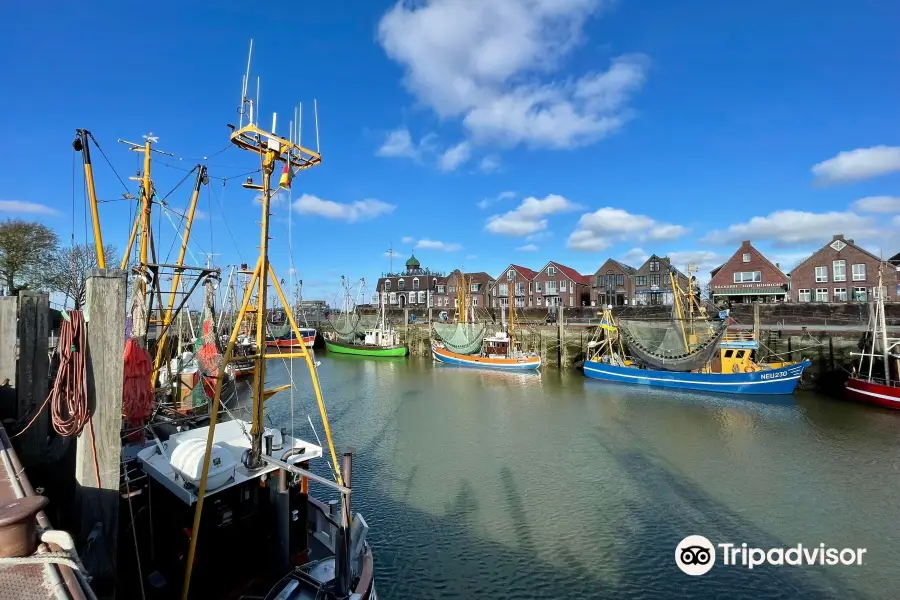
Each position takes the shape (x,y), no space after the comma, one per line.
(8,332)
(32,372)
(98,502)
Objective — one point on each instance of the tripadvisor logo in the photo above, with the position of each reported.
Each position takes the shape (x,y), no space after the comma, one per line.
(696,555)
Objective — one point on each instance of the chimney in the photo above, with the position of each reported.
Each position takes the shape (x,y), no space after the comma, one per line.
(778,266)
(745,243)
(837,236)
(849,241)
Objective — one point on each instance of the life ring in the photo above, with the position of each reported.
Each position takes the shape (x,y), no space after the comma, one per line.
(749,369)
(735,369)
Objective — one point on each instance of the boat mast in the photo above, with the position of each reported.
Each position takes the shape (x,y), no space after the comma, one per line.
(883,327)
(271,150)
(81,144)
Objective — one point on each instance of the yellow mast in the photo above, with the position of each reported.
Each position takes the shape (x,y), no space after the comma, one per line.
(272,150)
(81,144)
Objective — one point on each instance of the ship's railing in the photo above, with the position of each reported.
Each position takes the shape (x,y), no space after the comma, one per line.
(738,336)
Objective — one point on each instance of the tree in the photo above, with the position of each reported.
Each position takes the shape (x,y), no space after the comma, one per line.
(69,269)
(25,250)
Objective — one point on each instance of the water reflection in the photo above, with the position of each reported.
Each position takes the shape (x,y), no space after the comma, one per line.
(514,485)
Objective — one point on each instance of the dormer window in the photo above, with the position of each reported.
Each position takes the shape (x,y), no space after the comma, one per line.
(511,274)
(551,271)
(387,285)
(416,283)
(401,285)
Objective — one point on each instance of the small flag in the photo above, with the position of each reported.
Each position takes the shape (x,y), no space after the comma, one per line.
(286,175)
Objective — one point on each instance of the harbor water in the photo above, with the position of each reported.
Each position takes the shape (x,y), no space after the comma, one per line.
(477,484)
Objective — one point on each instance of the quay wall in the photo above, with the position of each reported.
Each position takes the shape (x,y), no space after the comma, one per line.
(565,347)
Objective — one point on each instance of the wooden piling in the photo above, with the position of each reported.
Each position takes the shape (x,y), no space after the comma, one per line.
(8,308)
(98,501)
(32,372)
(560,317)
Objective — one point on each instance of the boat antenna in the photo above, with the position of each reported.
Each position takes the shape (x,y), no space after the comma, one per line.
(244,83)
(316,112)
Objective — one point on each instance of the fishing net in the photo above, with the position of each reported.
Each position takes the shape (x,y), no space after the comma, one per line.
(661,345)
(278,331)
(344,326)
(462,338)
(207,352)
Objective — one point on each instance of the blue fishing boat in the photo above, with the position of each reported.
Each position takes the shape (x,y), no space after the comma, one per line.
(687,352)
(781,380)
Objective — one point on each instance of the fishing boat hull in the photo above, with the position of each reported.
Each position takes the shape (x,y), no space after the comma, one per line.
(525,363)
(867,392)
(782,380)
(365,350)
(289,341)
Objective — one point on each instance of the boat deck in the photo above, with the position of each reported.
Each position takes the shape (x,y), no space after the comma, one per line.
(29,581)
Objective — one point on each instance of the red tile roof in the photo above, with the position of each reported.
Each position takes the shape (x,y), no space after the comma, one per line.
(573,274)
(528,273)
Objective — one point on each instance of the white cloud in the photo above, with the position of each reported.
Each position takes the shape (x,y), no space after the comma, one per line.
(398,143)
(878,204)
(501,196)
(489,164)
(527,248)
(602,228)
(862,163)
(792,227)
(25,208)
(455,156)
(896,221)
(635,257)
(200,215)
(361,210)
(408,239)
(704,260)
(438,245)
(529,217)
(491,64)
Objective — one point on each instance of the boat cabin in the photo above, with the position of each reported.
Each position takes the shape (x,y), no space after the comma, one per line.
(381,338)
(737,353)
(496,346)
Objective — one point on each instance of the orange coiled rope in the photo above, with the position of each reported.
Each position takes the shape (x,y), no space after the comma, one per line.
(68,397)
(137,392)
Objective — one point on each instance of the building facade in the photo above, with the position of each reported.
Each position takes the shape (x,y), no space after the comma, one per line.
(613,284)
(414,287)
(841,271)
(480,285)
(652,286)
(515,286)
(748,276)
(558,285)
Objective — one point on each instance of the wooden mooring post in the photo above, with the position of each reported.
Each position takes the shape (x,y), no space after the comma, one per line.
(32,373)
(98,501)
(561,332)
(8,403)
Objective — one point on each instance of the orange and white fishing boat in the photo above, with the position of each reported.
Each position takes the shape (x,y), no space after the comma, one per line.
(499,351)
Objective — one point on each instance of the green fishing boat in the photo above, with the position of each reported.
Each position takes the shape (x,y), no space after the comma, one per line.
(365,349)
(351,335)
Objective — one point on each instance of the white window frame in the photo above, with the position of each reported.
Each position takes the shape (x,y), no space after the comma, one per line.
(530,287)
(859,276)
(822,274)
(860,297)
(821,294)
(504,289)
(387,285)
(422,297)
(538,300)
(746,257)
(537,287)
(741,276)
(804,295)
(840,294)
(571,300)
(834,270)
(392,298)
(551,271)
(562,285)
(551,287)
(510,275)
(474,300)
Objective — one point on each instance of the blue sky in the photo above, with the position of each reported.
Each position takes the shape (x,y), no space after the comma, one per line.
(482,131)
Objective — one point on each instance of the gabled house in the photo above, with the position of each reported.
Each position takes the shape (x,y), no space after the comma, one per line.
(446,292)
(515,282)
(841,271)
(748,276)
(558,285)
(613,284)
(651,282)
(412,287)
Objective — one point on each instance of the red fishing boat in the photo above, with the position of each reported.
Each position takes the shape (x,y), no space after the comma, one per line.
(874,381)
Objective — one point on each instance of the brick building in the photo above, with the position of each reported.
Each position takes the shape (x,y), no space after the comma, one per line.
(558,285)
(651,282)
(515,282)
(480,285)
(748,276)
(413,287)
(841,271)
(613,284)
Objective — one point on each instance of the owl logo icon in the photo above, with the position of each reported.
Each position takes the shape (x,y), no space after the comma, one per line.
(695,555)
